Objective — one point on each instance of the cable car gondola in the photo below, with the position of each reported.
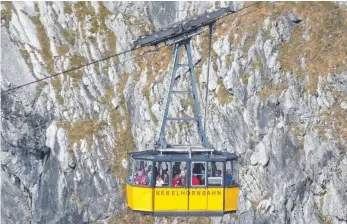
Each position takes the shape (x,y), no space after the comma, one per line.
(182,184)
(183,180)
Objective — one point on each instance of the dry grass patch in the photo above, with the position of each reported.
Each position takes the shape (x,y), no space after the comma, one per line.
(144,26)
(325,49)
(57,87)
(45,44)
(26,57)
(194,220)
(40,86)
(124,138)
(6,13)
(335,119)
(63,49)
(276,90)
(155,62)
(223,95)
(127,217)
(83,130)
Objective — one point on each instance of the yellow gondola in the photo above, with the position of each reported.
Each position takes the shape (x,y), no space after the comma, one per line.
(215,193)
(183,180)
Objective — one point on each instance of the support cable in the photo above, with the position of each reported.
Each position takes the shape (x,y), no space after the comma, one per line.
(103,59)
(208,73)
(69,70)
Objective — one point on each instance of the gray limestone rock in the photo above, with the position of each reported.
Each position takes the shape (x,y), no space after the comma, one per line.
(63,141)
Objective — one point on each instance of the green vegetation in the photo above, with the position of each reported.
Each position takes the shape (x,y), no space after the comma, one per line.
(67,8)
(75,199)
(324,218)
(63,49)
(69,36)
(40,87)
(108,96)
(244,79)
(45,44)
(57,87)
(6,13)
(84,10)
(26,57)
(77,60)
(255,205)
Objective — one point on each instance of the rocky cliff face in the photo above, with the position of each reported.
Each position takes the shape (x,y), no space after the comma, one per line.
(277,98)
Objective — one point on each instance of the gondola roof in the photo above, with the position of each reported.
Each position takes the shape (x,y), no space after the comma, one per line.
(179,156)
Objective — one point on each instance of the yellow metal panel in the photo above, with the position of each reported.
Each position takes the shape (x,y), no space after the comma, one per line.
(197,199)
(231,197)
(129,195)
(141,198)
(170,199)
(215,198)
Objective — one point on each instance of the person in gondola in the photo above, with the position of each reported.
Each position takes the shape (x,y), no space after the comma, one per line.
(218,173)
(195,181)
(149,177)
(159,182)
(183,178)
(176,180)
(148,169)
(229,177)
(141,179)
(166,179)
(161,173)
(202,178)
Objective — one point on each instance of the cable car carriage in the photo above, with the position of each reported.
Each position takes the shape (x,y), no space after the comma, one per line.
(183,180)
(187,183)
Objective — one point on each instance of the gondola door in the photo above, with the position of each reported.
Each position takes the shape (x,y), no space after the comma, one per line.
(215,190)
(171,192)
(197,189)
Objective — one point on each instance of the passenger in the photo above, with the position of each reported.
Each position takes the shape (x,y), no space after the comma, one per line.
(149,169)
(202,179)
(161,173)
(202,169)
(159,181)
(141,179)
(176,168)
(183,178)
(229,177)
(149,177)
(166,179)
(176,180)
(129,179)
(195,181)
(218,173)
(196,168)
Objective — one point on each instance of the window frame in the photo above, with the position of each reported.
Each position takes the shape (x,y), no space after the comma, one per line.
(169,171)
(223,174)
(149,184)
(191,174)
(232,174)
(187,171)
(131,171)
